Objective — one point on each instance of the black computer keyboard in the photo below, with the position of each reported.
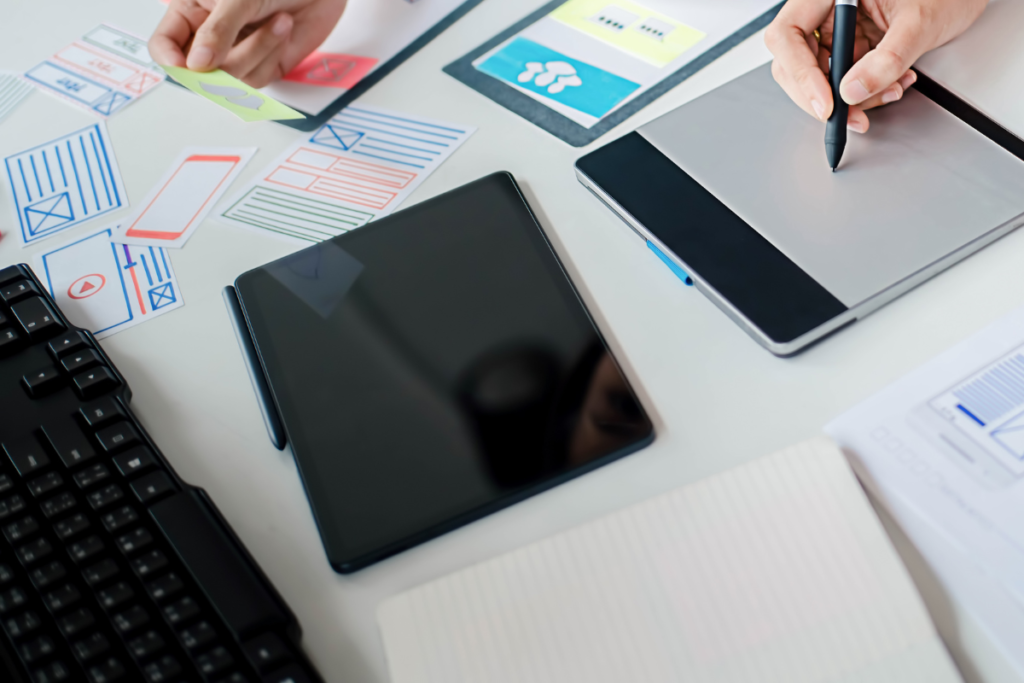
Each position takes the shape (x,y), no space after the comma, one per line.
(111,567)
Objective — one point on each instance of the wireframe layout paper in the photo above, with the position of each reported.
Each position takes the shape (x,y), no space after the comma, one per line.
(102,72)
(179,203)
(64,183)
(106,287)
(12,91)
(359,166)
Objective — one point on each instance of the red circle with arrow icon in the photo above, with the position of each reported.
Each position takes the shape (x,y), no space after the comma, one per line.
(86,286)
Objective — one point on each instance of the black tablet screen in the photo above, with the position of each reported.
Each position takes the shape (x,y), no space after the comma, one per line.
(433,367)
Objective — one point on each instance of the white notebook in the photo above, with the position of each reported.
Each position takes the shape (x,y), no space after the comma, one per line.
(776,571)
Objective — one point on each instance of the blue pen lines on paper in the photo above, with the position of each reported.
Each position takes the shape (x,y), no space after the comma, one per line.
(63,183)
(399,140)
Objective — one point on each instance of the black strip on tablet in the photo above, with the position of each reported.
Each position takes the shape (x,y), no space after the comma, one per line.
(777,296)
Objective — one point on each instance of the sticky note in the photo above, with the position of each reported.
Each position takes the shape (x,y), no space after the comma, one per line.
(327,70)
(653,37)
(243,101)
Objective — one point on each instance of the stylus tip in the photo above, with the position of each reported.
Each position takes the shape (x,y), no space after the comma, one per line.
(833,169)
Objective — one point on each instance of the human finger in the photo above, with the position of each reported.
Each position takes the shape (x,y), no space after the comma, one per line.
(893,93)
(788,40)
(269,70)
(312,26)
(167,44)
(250,54)
(903,43)
(857,120)
(216,36)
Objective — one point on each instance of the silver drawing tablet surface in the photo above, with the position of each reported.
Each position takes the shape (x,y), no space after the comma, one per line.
(922,189)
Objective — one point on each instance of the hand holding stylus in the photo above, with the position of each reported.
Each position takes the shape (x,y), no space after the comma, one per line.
(890,36)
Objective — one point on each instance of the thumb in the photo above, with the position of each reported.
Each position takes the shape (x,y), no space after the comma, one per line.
(901,46)
(218,33)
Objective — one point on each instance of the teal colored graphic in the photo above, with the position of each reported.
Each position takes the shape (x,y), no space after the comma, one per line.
(565,80)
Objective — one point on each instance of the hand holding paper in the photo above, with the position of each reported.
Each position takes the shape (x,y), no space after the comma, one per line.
(238,98)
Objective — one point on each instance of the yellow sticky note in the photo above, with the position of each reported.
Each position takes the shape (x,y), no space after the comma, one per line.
(238,98)
(653,37)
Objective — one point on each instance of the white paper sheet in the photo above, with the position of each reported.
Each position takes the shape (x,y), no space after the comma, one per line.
(359,166)
(12,91)
(179,203)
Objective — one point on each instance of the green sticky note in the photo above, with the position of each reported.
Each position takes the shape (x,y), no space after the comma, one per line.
(238,98)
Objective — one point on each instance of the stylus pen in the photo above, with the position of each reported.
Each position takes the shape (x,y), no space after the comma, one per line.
(843,35)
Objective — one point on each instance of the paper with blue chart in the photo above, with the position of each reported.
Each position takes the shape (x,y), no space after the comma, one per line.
(359,166)
(947,443)
(103,72)
(64,183)
(105,287)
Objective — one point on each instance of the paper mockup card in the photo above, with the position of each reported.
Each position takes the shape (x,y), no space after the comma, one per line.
(107,287)
(103,72)
(176,206)
(227,91)
(64,182)
(331,71)
(12,91)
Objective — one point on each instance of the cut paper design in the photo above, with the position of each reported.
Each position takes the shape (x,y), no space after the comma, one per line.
(225,90)
(556,76)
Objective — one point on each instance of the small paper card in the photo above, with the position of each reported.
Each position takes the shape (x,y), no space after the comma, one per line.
(238,98)
(331,71)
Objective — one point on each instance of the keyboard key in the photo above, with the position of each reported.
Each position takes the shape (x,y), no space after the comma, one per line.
(16,291)
(10,274)
(91,476)
(91,647)
(161,671)
(181,611)
(81,360)
(138,459)
(27,456)
(22,625)
(5,483)
(266,652)
(44,484)
(153,486)
(107,672)
(34,551)
(116,595)
(130,620)
(70,444)
(290,674)
(54,672)
(146,645)
(68,342)
(11,506)
(35,650)
(118,436)
(100,572)
(35,316)
(214,661)
(149,564)
(200,635)
(62,598)
(20,530)
(134,541)
(119,519)
(8,341)
(43,381)
(59,504)
(75,623)
(105,496)
(11,600)
(6,575)
(101,411)
(92,383)
(72,526)
(46,575)
(86,549)
(234,677)
(164,587)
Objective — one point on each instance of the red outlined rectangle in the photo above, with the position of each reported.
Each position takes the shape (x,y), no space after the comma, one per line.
(331,175)
(100,65)
(327,70)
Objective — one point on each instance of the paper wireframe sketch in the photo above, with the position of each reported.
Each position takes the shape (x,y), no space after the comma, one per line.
(177,205)
(106,287)
(225,90)
(12,91)
(64,182)
(103,72)
(358,167)
(326,70)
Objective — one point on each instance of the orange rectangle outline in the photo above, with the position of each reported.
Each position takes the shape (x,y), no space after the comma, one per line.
(134,67)
(384,170)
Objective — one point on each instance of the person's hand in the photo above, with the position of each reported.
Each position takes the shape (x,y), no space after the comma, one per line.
(891,35)
(256,41)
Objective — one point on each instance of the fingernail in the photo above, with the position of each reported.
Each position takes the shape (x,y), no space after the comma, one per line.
(819,109)
(200,58)
(855,92)
(282,25)
(891,95)
(856,126)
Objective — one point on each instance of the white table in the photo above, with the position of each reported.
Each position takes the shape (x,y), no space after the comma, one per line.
(716,397)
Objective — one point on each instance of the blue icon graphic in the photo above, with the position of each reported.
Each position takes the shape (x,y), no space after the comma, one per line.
(337,137)
(49,214)
(161,296)
(111,103)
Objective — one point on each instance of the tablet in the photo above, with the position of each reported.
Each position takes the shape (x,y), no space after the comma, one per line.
(433,367)
(735,189)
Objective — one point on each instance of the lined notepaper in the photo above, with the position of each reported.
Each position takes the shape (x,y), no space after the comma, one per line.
(12,91)
(775,571)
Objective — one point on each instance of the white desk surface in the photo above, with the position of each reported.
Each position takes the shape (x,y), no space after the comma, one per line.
(716,397)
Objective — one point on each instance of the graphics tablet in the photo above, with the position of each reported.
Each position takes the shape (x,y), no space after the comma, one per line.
(433,367)
(735,189)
